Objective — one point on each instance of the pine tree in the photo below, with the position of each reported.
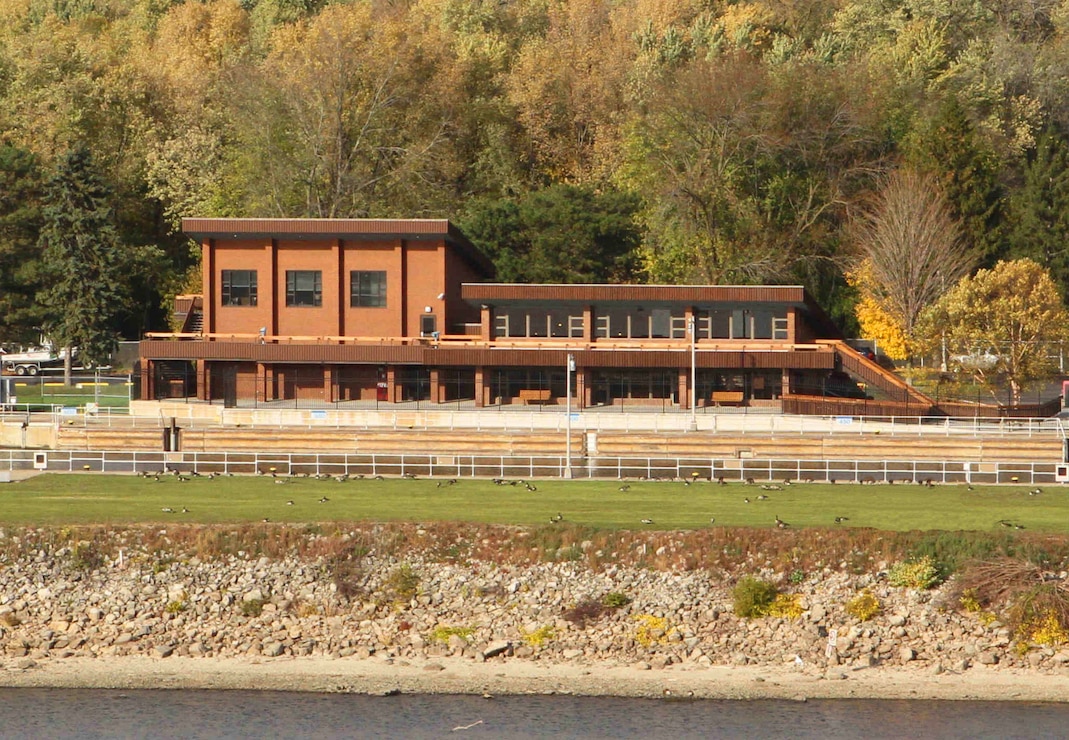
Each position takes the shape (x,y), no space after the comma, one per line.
(20,222)
(82,256)
(1040,208)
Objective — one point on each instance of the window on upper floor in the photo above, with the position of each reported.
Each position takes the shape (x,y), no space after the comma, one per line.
(304,288)
(367,289)
(239,288)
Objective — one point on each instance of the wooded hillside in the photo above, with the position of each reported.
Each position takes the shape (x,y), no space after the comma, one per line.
(573,140)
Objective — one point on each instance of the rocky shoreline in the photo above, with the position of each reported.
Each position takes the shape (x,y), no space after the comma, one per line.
(390,618)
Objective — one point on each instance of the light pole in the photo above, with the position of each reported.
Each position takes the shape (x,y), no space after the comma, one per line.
(692,327)
(568,412)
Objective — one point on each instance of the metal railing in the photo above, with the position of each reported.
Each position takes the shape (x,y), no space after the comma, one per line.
(768,424)
(541,466)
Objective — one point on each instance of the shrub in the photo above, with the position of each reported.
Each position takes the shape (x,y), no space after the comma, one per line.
(921,573)
(177,606)
(538,637)
(85,556)
(652,630)
(615,600)
(797,576)
(252,607)
(787,606)
(864,606)
(443,633)
(587,610)
(1040,615)
(348,576)
(403,583)
(752,597)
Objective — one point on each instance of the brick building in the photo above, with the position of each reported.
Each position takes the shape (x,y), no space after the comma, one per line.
(350,311)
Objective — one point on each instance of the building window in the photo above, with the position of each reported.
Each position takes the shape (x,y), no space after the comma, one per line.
(304,288)
(367,289)
(239,287)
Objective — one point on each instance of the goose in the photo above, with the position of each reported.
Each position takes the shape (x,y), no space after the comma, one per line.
(529,487)
(624,487)
(762,497)
(289,503)
(781,524)
(324,500)
(559,517)
(647,521)
(721,482)
(841,519)
(167,510)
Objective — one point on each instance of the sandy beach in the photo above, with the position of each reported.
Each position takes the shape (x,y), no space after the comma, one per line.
(461,676)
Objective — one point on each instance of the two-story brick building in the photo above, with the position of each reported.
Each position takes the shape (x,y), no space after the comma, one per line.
(350,311)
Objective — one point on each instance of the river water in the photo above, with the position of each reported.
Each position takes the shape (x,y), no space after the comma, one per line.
(66,713)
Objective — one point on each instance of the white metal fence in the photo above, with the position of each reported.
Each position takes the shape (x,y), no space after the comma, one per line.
(543,466)
(728,423)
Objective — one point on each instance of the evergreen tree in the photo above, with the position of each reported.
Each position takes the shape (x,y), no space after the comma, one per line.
(20,265)
(1040,208)
(85,296)
(949,148)
(560,234)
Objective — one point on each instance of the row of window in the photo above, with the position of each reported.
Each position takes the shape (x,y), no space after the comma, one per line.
(367,288)
(623,323)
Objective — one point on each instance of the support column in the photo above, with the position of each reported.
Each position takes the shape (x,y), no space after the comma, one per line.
(486,323)
(391,384)
(437,389)
(786,382)
(683,392)
(203,379)
(480,388)
(588,324)
(261,381)
(587,376)
(328,383)
(148,380)
(582,392)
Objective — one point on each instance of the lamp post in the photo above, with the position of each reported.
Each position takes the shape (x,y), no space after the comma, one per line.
(692,327)
(568,412)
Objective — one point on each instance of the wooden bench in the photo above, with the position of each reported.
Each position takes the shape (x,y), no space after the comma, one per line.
(727,398)
(531,395)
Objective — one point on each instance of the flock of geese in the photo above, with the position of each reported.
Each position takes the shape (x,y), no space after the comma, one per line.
(283,479)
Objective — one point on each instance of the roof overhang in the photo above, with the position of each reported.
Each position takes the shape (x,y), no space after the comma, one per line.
(349,229)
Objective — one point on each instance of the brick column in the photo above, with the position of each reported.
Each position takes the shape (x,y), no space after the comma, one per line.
(480,388)
(328,383)
(582,393)
(203,379)
(683,392)
(148,380)
(437,389)
(391,384)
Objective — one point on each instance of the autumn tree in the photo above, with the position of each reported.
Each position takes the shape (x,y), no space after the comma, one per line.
(1013,313)
(911,252)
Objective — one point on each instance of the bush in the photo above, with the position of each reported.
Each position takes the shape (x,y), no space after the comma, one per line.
(176,606)
(403,583)
(86,556)
(652,630)
(443,633)
(864,606)
(921,573)
(252,607)
(587,610)
(348,576)
(1040,615)
(538,637)
(753,597)
(786,606)
(615,600)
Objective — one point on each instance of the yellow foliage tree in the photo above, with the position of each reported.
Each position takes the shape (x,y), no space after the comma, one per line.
(875,319)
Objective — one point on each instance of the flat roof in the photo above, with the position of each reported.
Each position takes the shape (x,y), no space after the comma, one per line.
(413,229)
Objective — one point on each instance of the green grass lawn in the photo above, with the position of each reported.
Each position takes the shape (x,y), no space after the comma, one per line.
(30,392)
(115,499)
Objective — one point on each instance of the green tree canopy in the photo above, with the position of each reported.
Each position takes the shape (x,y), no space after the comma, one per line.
(21,186)
(562,234)
(85,296)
